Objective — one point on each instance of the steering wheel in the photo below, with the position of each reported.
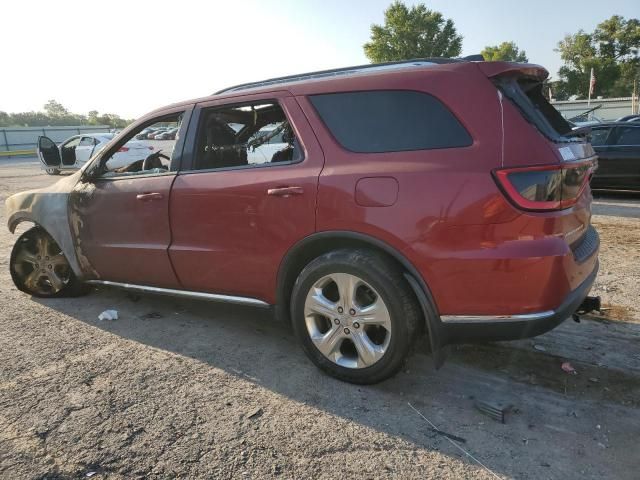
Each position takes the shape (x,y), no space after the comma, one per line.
(153,160)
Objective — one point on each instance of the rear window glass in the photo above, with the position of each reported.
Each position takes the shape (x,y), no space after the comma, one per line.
(629,136)
(389,121)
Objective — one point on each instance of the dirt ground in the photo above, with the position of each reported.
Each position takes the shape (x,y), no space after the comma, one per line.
(178,388)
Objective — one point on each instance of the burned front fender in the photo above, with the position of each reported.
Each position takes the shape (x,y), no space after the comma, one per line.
(48,208)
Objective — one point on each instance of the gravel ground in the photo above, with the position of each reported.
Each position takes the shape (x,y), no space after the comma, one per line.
(179,388)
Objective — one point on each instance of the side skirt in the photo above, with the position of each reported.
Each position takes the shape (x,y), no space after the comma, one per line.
(213,297)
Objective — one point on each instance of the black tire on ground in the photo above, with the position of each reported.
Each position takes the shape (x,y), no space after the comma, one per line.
(52,171)
(72,287)
(386,278)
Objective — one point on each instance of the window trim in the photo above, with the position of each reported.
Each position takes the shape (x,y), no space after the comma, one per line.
(386,152)
(199,117)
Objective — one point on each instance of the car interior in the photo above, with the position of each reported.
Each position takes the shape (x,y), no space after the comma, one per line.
(156,162)
(228,136)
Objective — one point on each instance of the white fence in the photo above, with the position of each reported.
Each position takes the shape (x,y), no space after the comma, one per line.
(610,108)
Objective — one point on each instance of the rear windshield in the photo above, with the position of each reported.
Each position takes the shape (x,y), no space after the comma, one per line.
(526,94)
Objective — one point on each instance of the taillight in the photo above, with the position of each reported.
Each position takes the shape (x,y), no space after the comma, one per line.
(124,149)
(546,187)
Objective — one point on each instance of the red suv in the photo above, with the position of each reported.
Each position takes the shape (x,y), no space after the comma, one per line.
(368,205)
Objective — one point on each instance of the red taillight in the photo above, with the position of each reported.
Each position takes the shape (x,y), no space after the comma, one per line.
(124,149)
(545,187)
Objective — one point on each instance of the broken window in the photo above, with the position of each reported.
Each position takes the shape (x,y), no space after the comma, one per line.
(244,135)
(146,150)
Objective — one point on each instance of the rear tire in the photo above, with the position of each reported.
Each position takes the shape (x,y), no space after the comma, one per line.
(355,315)
(52,171)
(38,267)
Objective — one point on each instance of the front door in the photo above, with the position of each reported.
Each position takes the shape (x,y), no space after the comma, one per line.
(234,213)
(120,216)
(48,152)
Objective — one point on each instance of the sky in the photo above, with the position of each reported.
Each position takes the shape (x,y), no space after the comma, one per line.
(130,57)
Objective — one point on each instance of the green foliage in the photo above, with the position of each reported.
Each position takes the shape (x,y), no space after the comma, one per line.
(611,50)
(414,32)
(505,52)
(56,114)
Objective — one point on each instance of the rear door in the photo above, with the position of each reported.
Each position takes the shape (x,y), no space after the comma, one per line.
(233,218)
(600,138)
(48,152)
(85,149)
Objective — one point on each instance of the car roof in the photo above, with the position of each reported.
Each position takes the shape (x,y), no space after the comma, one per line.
(346,78)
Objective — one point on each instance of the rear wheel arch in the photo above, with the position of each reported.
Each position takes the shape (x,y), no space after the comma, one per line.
(317,244)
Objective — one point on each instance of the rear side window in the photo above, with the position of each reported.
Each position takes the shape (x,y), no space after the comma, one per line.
(389,121)
(629,136)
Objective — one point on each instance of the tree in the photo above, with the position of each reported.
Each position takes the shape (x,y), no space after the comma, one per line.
(412,33)
(55,109)
(505,52)
(92,117)
(611,50)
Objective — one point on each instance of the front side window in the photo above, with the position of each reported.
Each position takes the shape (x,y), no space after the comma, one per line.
(389,121)
(141,153)
(629,136)
(245,135)
(87,142)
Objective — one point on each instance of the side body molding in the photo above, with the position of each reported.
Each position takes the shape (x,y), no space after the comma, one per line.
(48,208)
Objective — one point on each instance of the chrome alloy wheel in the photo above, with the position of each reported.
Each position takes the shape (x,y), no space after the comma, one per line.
(40,265)
(347,320)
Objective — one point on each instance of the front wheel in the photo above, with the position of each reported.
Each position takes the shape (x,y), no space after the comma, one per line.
(38,267)
(355,315)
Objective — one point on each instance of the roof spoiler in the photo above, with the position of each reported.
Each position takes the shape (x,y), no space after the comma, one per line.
(505,69)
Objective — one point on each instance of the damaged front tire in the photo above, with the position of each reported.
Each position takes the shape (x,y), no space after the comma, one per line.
(38,267)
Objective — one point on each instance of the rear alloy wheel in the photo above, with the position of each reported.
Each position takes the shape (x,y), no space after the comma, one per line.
(52,171)
(355,315)
(39,268)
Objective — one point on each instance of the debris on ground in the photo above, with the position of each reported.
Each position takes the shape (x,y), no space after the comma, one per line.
(108,315)
(493,409)
(255,413)
(568,368)
(150,316)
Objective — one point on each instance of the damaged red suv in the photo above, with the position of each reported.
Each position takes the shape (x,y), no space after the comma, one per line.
(370,206)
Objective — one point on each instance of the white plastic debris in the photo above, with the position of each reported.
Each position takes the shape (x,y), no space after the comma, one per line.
(108,315)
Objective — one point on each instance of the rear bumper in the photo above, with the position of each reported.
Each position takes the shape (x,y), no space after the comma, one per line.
(464,328)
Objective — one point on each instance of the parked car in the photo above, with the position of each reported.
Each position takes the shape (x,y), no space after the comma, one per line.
(155,133)
(618,147)
(167,135)
(143,134)
(74,152)
(439,197)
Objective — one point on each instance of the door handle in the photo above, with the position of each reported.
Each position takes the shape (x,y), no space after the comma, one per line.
(147,197)
(285,191)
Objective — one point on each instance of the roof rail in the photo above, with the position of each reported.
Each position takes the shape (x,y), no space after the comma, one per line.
(348,71)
